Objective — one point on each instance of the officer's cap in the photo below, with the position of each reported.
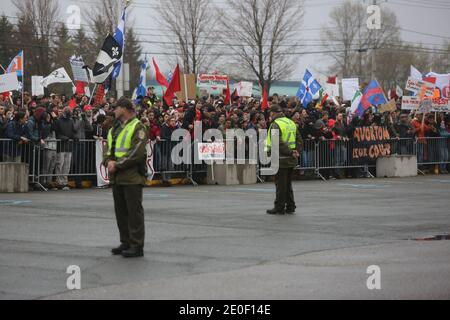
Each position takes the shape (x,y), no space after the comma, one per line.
(276,109)
(125,103)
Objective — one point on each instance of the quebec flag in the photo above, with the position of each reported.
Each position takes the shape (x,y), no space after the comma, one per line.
(308,89)
(142,89)
(119,36)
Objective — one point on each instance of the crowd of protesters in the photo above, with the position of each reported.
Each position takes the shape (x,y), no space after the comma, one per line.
(60,131)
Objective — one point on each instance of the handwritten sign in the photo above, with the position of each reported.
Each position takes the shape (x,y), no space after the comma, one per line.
(211,151)
(371,143)
(415,86)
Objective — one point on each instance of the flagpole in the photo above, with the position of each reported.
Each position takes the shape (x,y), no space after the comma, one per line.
(4,70)
(93,93)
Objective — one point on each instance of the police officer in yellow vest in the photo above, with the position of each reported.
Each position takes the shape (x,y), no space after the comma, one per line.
(290,148)
(126,162)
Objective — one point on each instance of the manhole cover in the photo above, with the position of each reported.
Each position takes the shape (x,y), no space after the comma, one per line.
(434,238)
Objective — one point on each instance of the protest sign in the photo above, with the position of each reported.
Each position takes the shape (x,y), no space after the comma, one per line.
(415,86)
(349,88)
(371,143)
(410,103)
(211,151)
(79,73)
(188,87)
(37,88)
(437,105)
(245,89)
(102,171)
(442,83)
(388,107)
(9,82)
(212,83)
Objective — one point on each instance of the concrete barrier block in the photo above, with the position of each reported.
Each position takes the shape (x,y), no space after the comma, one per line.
(224,174)
(397,166)
(247,174)
(13,177)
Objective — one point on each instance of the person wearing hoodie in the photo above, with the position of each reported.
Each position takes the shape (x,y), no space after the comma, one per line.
(15,130)
(35,125)
(65,133)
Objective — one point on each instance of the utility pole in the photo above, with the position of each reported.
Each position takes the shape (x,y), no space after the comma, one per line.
(374,44)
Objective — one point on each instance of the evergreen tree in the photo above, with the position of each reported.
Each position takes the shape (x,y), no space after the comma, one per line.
(133,53)
(84,46)
(8,47)
(62,48)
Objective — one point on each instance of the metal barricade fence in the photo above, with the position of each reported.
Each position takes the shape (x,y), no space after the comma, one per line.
(18,151)
(62,159)
(433,151)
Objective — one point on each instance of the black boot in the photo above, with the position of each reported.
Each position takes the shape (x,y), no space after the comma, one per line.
(290,210)
(275,211)
(120,249)
(133,253)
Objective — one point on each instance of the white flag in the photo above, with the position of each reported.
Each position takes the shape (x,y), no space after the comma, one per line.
(356,101)
(399,91)
(57,76)
(415,74)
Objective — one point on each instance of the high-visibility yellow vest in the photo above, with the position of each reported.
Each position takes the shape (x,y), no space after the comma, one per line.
(288,133)
(123,142)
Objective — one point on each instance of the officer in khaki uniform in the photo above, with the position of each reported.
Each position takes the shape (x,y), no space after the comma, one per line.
(289,154)
(126,162)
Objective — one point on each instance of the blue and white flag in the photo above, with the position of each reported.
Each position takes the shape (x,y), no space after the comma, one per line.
(308,89)
(142,88)
(119,36)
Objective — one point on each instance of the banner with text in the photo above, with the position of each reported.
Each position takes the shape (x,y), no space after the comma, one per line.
(370,144)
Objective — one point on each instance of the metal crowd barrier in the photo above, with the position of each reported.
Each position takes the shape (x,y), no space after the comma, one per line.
(46,162)
(163,164)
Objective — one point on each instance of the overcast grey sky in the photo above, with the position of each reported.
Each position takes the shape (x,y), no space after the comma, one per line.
(427,22)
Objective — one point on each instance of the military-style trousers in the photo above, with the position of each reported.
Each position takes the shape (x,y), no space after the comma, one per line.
(284,193)
(129,214)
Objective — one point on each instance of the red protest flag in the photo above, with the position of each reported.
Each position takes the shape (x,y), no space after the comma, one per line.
(100,95)
(159,76)
(5,95)
(174,86)
(265,100)
(332,80)
(80,88)
(72,103)
(430,79)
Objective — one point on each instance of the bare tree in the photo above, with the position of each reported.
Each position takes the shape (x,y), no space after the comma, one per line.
(189,22)
(103,18)
(40,17)
(263,36)
(350,43)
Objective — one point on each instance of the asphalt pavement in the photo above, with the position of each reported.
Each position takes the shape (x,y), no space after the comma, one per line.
(216,242)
